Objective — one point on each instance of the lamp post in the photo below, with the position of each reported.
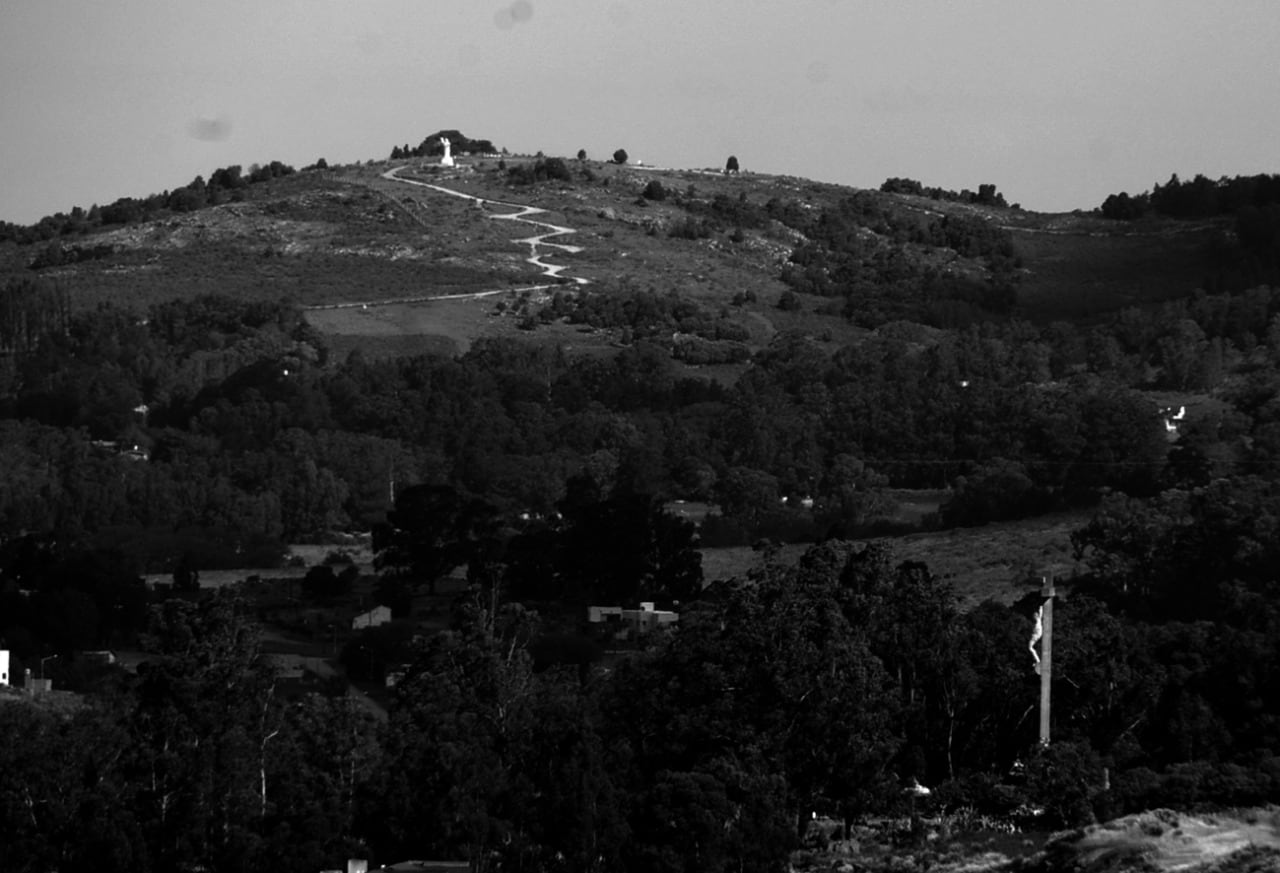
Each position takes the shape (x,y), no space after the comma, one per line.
(42,660)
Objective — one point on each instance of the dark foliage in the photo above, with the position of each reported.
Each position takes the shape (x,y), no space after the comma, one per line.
(541,170)
(431,146)
(225,184)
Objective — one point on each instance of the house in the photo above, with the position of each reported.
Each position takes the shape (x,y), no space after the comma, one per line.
(638,621)
(646,618)
(379,615)
(603,614)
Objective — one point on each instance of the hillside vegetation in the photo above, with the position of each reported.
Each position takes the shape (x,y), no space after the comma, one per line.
(844,434)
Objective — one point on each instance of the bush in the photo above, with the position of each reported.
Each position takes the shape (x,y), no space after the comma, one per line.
(541,170)
(620,156)
(654,191)
(1063,778)
(997,491)
(690,228)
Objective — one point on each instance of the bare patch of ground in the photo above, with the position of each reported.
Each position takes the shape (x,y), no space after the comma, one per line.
(1164,840)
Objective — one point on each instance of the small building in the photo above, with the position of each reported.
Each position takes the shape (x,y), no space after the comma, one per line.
(638,621)
(646,618)
(375,617)
(604,614)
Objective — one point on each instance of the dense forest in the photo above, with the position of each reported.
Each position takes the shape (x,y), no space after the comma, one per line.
(208,432)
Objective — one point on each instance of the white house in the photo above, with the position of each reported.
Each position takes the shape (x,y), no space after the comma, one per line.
(379,615)
(641,620)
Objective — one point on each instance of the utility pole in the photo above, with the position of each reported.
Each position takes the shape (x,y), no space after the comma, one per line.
(1046,657)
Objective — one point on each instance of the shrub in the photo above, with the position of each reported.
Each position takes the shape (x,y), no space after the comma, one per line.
(788,302)
(655,191)
(690,228)
(1063,779)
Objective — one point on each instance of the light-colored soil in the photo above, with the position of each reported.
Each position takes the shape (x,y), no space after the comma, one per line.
(1176,841)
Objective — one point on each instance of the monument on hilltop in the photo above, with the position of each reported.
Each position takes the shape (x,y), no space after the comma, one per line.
(447,160)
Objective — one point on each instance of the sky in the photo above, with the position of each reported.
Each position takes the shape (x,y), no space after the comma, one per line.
(1057,103)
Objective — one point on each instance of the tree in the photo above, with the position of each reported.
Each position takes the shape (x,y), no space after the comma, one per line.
(582,154)
(765,679)
(486,758)
(619,549)
(620,156)
(731,166)
(431,530)
(186,575)
(203,725)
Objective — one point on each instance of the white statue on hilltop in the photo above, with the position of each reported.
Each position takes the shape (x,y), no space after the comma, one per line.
(447,160)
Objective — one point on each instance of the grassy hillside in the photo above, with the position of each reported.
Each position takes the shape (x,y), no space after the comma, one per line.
(348,235)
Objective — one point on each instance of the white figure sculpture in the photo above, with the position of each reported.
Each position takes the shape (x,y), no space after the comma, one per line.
(1036,633)
(447,160)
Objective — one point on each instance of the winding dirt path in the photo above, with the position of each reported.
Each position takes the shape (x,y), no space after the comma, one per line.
(535,242)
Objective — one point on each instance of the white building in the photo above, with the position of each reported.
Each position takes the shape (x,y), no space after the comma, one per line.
(379,615)
(641,620)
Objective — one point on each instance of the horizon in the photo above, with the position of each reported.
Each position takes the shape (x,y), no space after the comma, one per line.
(1058,106)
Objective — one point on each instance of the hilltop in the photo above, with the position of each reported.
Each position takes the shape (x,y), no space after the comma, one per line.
(732,245)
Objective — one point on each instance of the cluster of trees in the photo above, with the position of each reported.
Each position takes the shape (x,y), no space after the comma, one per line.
(251,436)
(645,314)
(826,686)
(1201,197)
(224,184)
(432,146)
(867,254)
(1252,254)
(987,195)
(541,170)
(199,760)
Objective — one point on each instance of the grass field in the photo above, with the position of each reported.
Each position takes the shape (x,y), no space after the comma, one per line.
(992,562)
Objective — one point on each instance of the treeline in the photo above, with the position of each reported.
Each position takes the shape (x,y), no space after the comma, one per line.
(986,195)
(1248,256)
(1200,197)
(432,146)
(825,687)
(248,431)
(224,184)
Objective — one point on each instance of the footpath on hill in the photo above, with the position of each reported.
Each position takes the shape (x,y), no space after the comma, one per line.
(536,243)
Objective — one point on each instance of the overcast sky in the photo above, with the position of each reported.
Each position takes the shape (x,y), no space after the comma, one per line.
(1057,103)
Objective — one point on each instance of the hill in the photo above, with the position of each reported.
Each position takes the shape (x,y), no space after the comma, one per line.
(416,256)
